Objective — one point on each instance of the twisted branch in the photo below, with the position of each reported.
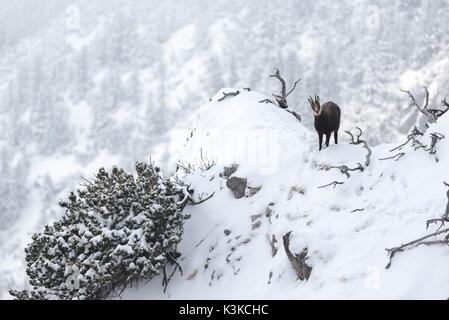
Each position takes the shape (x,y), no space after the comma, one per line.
(282,97)
(430,116)
(356,140)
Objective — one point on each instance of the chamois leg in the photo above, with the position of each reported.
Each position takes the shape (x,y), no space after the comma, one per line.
(328,137)
(336,137)
(320,138)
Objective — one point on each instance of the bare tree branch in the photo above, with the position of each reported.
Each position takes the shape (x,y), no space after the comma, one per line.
(414,243)
(435,138)
(266,101)
(165,279)
(194,203)
(282,97)
(420,241)
(293,88)
(296,115)
(229,94)
(334,184)
(344,169)
(411,137)
(356,140)
(277,75)
(396,157)
(431,117)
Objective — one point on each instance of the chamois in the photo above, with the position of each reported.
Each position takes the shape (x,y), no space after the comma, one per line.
(327,119)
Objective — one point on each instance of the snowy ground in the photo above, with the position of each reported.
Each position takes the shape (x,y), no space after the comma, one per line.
(346,229)
(87,84)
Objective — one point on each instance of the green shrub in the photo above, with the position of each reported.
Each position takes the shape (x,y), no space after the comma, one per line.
(115,231)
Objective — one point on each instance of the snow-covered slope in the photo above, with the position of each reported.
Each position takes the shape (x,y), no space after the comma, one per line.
(85,84)
(226,251)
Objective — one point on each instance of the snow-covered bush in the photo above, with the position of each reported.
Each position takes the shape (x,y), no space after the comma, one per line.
(117,230)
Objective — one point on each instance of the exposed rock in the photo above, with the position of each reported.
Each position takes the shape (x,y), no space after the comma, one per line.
(227,232)
(298,261)
(255,217)
(269,211)
(293,190)
(256,225)
(229,171)
(237,186)
(254,190)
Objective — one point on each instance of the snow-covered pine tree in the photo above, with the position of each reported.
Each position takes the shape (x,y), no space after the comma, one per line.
(116,230)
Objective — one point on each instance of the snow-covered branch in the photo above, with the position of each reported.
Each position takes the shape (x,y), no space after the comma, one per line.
(355,139)
(420,241)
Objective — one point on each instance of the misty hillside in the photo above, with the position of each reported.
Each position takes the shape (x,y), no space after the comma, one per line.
(89,84)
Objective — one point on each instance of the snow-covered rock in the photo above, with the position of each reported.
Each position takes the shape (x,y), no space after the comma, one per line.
(232,248)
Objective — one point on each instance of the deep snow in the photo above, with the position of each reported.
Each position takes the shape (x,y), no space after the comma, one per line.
(75,99)
(346,229)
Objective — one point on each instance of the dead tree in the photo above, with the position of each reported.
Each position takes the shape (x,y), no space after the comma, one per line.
(413,136)
(423,240)
(423,109)
(298,261)
(281,98)
(432,114)
(356,140)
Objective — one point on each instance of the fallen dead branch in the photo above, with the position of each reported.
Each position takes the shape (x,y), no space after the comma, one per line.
(417,242)
(413,244)
(334,184)
(435,137)
(266,101)
(296,115)
(345,169)
(396,157)
(229,94)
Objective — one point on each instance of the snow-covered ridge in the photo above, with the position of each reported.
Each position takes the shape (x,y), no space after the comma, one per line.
(108,93)
(226,250)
